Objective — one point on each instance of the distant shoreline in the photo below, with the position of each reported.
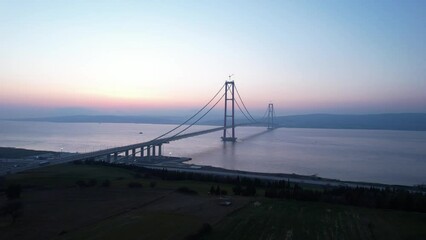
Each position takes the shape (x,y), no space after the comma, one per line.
(387,121)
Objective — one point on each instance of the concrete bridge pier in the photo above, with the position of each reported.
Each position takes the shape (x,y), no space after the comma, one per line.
(159,149)
(148,151)
(115,156)
(133,153)
(153,150)
(142,153)
(126,153)
(109,158)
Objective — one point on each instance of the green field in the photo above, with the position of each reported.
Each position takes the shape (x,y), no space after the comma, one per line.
(66,175)
(285,219)
(137,225)
(160,213)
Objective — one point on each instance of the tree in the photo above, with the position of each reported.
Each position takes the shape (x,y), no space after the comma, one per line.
(237,190)
(250,190)
(217,191)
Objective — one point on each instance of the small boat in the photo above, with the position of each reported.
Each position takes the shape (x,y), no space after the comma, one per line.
(140,132)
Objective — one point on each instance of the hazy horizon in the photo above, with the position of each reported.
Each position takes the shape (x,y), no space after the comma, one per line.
(215,114)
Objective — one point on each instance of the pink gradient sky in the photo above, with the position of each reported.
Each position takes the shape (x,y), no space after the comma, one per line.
(141,57)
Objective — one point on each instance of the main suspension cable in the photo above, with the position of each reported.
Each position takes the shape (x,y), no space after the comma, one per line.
(238,105)
(200,117)
(239,96)
(264,115)
(191,116)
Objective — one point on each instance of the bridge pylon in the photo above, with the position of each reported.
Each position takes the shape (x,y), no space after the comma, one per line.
(229,97)
(271,115)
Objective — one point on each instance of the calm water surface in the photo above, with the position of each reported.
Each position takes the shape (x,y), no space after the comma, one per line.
(395,157)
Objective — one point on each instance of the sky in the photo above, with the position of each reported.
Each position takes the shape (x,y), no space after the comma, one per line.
(170,57)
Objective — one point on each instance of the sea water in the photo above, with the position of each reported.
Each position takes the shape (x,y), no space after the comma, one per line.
(392,157)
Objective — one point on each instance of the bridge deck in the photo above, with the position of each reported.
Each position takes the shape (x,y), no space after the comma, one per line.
(154,142)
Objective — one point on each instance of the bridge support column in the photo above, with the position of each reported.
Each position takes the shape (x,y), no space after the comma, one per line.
(159,150)
(133,154)
(126,153)
(108,157)
(271,114)
(148,151)
(229,87)
(153,150)
(115,157)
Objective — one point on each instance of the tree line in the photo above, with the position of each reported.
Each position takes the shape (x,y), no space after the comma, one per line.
(386,198)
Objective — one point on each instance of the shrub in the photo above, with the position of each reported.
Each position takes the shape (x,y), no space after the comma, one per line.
(237,190)
(106,183)
(186,190)
(77,162)
(249,191)
(217,191)
(134,185)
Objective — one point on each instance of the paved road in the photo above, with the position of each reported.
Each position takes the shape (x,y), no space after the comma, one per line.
(10,166)
(261,176)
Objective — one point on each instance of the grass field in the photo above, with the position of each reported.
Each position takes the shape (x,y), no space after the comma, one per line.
(140,225)
(14,153)
(66,175)
(285,219)
(55,208)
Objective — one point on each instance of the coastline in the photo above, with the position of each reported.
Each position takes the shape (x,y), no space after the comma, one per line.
(180,164)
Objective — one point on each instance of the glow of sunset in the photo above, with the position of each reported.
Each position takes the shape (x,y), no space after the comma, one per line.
(135,57)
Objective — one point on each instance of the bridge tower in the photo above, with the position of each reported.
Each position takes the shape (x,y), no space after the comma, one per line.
(271,115)
(229,97)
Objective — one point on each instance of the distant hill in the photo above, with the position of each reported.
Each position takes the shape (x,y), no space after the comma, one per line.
(388,121)
(108,119)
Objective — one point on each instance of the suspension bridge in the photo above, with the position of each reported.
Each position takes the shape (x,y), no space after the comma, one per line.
(153,148)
